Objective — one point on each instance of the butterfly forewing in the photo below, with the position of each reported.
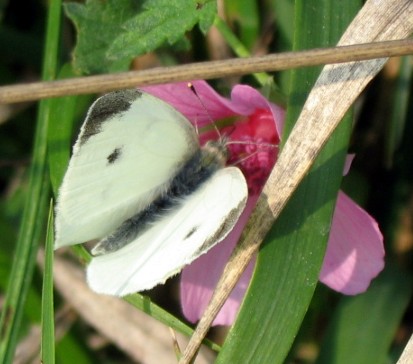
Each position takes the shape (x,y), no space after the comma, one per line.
(129,148)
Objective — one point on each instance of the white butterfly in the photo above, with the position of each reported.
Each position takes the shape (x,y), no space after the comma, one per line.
(139,181)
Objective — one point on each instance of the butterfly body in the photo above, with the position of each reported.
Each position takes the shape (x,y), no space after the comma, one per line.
(193,174)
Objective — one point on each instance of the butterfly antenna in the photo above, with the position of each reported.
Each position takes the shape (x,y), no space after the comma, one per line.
(267,145)
(239,161)
(192,88)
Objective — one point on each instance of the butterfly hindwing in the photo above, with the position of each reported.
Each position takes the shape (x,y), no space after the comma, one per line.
(129,148)
(200,221)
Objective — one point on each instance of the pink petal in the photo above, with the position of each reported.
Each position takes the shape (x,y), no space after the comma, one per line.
(249,99)
(199,279)
(181,97)
(355,253)
(244,101)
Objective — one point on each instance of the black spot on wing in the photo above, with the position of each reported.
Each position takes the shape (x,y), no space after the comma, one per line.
(191,232)
(224,229)
(107,106)
(114,156)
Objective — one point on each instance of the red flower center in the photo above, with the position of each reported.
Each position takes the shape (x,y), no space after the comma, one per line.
(257,148)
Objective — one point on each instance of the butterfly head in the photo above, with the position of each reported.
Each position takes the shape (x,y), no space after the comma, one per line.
(215,152)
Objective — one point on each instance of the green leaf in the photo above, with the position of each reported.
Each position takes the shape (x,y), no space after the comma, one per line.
(144,304)
(112,33)
(240,50)
(363,327)
(31,226)
(162,22)
(72,348)
(245,15)
(98,23)
(289,263)
(64,112)
(47,345)
(400,104)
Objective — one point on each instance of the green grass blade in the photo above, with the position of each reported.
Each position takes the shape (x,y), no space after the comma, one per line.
(244,15)
(144,304)
(356,337)
(48,343)
(289,263)
(238,48)
(65,112)
(35,206)
(400,105)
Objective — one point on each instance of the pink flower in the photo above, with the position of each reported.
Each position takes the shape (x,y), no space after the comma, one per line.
(355,253)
